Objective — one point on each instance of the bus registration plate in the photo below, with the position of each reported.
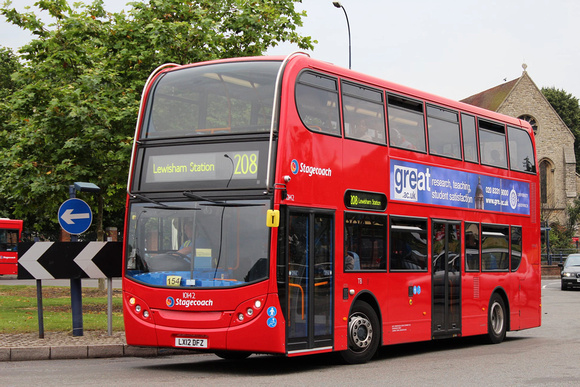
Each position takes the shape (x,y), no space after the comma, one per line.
(189,342)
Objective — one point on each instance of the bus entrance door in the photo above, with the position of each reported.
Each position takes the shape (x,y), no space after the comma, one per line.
(309,279)
(446,278)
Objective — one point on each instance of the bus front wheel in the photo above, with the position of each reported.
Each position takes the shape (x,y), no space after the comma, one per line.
(363,334)
(233,355)
(496,320)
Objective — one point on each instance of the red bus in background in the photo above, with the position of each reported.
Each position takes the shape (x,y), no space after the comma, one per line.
(10,234)
(290,206)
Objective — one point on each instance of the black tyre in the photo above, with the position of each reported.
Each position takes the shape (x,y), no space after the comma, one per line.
(563,286)
(496,320)
(233,355)
(363,334)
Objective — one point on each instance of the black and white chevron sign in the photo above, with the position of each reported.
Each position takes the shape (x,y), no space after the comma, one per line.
(64,260)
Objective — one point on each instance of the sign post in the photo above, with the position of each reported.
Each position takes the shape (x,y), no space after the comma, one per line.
(75,217)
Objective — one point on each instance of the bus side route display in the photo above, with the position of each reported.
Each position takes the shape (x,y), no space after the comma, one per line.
(363,200)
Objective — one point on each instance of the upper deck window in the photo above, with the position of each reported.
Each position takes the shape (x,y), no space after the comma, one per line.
(406,123)
(443,128)
(492,144)
(317,102)
(521,151)
(363,109)
(469,138)
(212,99)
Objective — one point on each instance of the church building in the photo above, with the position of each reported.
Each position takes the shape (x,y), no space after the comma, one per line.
(521,98)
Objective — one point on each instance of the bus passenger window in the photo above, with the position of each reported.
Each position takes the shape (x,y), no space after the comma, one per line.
(494,248)
(516,247)
(492,144)
(317,103)
(408,244)
(443,129)
(406,124)
(365,242)
(469,138)
(363,111)
(471,247)
(8,240)
(521,151)
(226,98)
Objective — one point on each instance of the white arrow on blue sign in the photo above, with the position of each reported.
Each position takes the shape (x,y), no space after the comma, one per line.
(75,216)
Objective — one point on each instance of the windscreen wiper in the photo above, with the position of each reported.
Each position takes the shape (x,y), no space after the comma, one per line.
(191,195)
(159,205)
(146,199)
(223,204)
(217,203)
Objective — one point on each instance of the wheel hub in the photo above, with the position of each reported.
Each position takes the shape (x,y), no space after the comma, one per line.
(361,331)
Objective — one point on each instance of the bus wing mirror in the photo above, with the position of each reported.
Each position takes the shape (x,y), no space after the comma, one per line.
(273,218)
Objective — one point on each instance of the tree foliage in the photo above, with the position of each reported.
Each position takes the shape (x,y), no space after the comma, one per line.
(568,108)
(9,64)
(72,107)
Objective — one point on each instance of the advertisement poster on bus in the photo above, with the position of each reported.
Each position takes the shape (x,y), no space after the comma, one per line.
(413,182)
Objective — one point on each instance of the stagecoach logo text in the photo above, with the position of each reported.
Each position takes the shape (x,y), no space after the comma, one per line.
(295,167)
(188,299)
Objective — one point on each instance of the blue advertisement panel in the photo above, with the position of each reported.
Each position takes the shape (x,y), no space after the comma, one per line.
(420,183)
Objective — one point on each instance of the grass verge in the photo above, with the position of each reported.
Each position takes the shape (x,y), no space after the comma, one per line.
(19,312)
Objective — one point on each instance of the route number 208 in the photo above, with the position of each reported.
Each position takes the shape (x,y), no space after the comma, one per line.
(246,164)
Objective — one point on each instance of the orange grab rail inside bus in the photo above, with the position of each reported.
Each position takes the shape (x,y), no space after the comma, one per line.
(302,294)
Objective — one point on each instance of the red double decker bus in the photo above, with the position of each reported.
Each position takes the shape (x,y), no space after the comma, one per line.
(290,206)
(10,232)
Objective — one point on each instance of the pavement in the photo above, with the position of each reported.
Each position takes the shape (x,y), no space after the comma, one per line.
(63,345)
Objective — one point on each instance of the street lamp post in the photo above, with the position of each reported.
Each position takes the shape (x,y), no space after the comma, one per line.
(338,5)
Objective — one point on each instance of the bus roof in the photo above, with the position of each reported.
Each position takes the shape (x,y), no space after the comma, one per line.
(303,60)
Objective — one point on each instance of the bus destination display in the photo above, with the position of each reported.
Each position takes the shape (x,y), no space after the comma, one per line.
(211,166)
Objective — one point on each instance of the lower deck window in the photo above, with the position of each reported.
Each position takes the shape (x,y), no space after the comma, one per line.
(408,241)
(494,247)
(365,242)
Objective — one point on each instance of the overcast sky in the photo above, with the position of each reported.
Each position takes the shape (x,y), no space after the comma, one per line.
(453,48)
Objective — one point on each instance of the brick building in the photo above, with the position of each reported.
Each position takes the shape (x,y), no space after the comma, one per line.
(521,98)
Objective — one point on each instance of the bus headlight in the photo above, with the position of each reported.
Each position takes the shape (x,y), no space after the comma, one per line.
(137,306)
(249,310)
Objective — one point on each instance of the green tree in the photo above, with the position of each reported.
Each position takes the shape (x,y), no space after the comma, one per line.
(9,64)
(567,107)
(72,114)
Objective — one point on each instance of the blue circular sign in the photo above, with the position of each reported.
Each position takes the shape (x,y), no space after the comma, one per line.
(75,216)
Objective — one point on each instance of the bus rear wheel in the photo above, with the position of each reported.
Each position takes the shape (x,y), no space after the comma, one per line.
(496,320)
(363,334)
